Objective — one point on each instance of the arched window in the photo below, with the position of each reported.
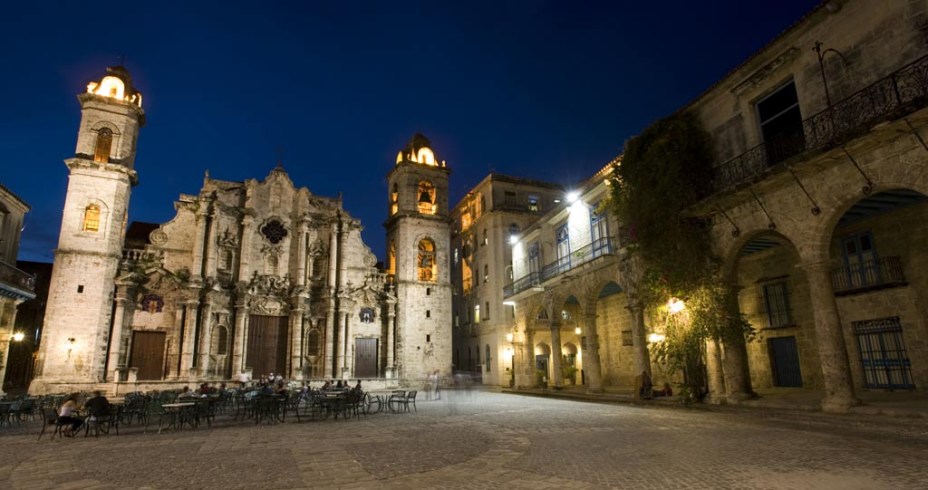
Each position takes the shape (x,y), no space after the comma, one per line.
(101,151)
(395,200)
(426,197)
(486,239)
(391,259)
(91,218)
(428,270)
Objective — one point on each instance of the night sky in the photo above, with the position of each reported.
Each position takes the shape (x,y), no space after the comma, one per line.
(546,90)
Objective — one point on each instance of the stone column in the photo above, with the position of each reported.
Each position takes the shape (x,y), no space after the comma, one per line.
(342,344)
(239,345)
(301,259)
(639,339)
(175,346)
(212,244)
(592,368)
(391,326)
(198,239)
(527,364)
(714,371)
(296,343)
(330,337)
(832,351)
(244,255)
(556,353)
(186,353)
(7,327)
(734,367)
(206,327)
(117,358)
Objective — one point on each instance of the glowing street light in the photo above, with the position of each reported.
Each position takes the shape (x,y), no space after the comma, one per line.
(573,196)
(18,336)
(654,338)
(675,305)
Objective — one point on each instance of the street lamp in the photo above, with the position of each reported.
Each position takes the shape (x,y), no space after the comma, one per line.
(18,336)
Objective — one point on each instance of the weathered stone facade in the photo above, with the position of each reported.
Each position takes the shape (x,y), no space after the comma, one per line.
(418,254)
(483,223)
(249,279)
(819,207)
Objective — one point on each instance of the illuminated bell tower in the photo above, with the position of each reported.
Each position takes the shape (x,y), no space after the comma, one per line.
(101,174)
(418,243)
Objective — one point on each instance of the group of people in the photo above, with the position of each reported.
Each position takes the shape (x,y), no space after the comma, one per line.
(69,413)
(646,389)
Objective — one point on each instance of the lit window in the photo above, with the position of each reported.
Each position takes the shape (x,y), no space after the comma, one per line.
(395,200)
(476,313)
(427,266)
(426,197)
(91,218)
(486,273)
(563,248)
(103,146)
(486,240)
(391,260)
(533,204)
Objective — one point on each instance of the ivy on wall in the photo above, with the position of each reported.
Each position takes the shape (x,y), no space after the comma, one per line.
(665,171)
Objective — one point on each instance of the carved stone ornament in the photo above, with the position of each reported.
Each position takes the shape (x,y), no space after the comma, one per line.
(317,248)
(264,285)
(267,306)
(158,237)
(228,239)
(370,260)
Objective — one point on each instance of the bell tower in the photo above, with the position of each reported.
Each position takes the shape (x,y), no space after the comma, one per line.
(418,243)
(90,243)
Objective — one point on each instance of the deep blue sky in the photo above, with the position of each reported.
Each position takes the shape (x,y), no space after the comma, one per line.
(547,90)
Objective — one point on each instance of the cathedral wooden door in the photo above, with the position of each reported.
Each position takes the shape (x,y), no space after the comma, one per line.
(148,354)
(365,358)
(267,345)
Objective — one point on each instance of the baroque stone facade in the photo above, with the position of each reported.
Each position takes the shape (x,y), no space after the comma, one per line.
(248,279)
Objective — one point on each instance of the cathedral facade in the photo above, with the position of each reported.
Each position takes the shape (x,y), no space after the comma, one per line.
(248,279)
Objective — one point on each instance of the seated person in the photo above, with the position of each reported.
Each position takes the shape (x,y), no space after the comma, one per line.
(185,392)
(665,391)
(67,414)
(98,405)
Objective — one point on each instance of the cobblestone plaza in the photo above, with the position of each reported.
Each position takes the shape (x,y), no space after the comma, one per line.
(490,440)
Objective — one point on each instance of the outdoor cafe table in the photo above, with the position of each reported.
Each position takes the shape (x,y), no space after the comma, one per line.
(179,413)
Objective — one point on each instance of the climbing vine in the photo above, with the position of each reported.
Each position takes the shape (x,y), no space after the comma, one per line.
(664,172)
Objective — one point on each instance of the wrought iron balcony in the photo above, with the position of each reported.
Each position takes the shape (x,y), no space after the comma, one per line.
(892,97)
(871,274)
(16,283)
(576,258)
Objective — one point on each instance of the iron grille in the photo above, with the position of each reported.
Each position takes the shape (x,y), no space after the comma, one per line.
(882,354)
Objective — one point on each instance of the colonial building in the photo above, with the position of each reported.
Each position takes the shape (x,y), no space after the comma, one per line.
(576,322)
(819,205)
(484,223)
(16,286)
(248,279)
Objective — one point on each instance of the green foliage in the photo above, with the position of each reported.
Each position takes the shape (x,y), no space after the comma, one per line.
(663,173)
(568,371)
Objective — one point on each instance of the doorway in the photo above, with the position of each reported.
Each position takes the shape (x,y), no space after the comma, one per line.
(365,358)
(784,362)
(267,345)
(148,354)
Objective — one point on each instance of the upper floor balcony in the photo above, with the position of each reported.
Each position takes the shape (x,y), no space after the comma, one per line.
(868,275)
(15,283)
(573,260)
(895,96)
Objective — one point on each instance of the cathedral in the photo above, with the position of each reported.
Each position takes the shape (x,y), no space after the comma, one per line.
(248,279)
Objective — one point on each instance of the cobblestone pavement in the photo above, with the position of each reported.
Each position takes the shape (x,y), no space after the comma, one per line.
(489,440)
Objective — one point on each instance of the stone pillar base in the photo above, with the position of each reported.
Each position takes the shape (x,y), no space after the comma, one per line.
(735,398)
(839,404)
(714,399)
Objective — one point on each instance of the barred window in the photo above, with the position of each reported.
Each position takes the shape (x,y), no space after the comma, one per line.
(627,337)
(775,301)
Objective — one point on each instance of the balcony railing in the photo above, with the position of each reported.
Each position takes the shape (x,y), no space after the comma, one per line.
(23,281)
(901,93)
(576,258)
(871,274)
